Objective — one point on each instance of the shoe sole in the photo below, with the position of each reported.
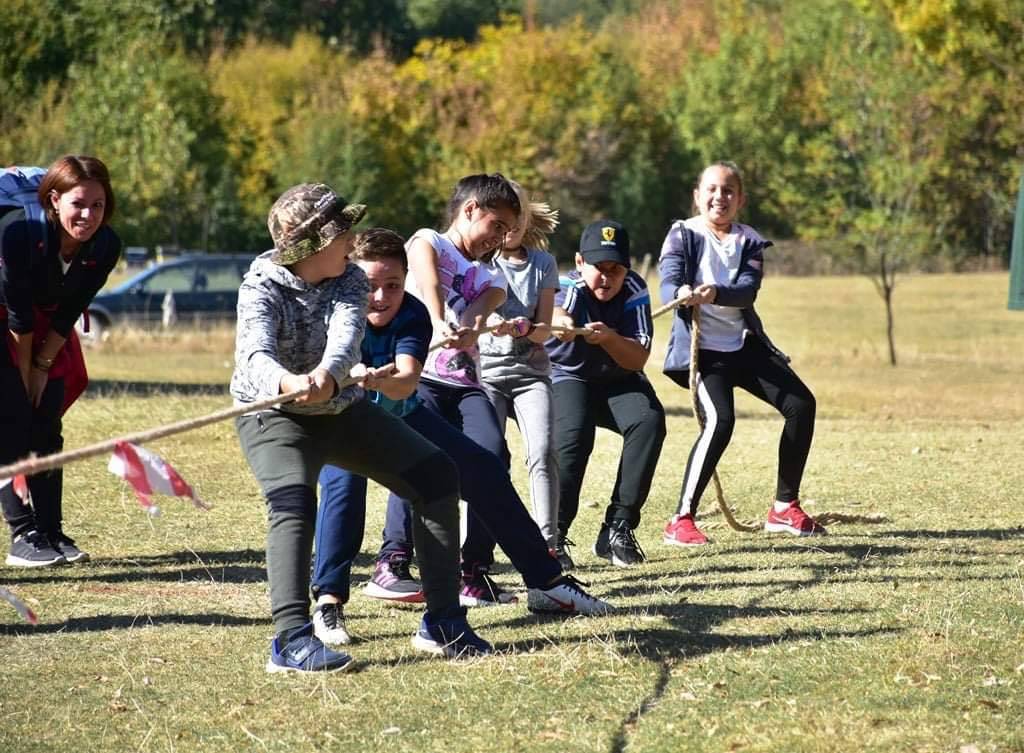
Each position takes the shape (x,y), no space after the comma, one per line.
(554,606)
(610,557)
(13,561)
(376,592)
(683,544)
(277,669)
(432,647)
(473,601)
(325,638)
(783,528)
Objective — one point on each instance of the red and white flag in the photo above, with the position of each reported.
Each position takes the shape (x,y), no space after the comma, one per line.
(22,608)
(20,487)
(149,474)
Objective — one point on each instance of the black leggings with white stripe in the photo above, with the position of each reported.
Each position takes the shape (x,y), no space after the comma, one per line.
(767,377)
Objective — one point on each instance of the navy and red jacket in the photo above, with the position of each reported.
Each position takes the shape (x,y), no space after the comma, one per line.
(31,276)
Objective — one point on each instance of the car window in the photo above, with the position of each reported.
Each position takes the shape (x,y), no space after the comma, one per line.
(176,279)
(218,277)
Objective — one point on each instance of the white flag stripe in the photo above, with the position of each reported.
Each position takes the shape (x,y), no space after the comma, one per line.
(150,474)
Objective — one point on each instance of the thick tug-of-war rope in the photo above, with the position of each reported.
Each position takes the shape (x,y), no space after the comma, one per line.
(736,525)
(35,465)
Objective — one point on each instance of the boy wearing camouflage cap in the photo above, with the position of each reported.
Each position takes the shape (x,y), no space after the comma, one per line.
(301,317)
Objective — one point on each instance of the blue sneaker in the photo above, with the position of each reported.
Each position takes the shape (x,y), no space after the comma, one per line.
(450,636)
(306,653)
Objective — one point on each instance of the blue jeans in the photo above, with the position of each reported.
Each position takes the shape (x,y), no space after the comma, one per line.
(485,485)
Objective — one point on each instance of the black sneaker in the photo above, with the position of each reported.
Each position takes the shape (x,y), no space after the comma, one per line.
(561,552)
(33,549)
(66,546)
(617,544)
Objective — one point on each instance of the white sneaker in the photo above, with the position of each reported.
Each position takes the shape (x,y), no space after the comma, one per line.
(566,596)
(329,624)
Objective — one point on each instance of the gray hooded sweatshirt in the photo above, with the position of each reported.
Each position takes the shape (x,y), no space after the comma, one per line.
(287,325)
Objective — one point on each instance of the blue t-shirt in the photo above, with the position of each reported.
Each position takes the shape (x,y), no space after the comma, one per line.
(408,334)
(628,313)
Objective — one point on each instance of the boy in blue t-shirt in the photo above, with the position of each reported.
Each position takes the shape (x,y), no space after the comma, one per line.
(598,380)
(394,349)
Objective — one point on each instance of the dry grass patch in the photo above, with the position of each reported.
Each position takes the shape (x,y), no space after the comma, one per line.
(901,636)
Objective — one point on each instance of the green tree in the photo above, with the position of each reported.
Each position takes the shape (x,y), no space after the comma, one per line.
(743,99)
(881,150)
(979,47)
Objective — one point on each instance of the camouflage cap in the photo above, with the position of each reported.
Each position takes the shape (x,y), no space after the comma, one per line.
(306,218)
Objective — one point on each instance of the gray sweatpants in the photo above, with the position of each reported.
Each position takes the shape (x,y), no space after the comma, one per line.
(528,398)
(286,452)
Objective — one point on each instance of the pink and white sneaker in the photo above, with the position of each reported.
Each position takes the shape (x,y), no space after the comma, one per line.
(793,520)
(682,531)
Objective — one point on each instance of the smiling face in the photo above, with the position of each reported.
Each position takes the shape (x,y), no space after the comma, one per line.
(604,279)
(482,229)
(719,196)
(80,210)
(387,289)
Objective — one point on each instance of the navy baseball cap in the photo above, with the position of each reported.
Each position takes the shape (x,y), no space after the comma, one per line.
(605,240)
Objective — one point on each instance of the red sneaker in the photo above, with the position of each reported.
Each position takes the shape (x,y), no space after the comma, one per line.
(681,531)
(793,520)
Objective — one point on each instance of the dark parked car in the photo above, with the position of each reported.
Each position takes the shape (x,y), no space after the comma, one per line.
(204,287)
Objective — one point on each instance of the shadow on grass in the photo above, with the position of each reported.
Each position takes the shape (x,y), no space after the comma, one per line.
(665,646)
(241,566)
(117,388)
(129,621)
(998,534)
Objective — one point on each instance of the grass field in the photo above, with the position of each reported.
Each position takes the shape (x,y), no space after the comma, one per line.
(903,636)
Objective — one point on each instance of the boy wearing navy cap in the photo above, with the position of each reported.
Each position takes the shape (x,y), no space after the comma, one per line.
(598,380)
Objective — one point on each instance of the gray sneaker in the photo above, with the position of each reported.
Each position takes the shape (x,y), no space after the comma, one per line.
(392,581)
(33,549)
(66,546)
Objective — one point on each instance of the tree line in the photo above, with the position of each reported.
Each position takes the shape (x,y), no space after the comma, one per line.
(887,133)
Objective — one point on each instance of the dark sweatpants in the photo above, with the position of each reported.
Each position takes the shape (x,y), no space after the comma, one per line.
(24,429)
(628,407)
(286,452)
(766,376)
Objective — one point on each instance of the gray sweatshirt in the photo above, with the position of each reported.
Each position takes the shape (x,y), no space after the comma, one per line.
(287,325)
